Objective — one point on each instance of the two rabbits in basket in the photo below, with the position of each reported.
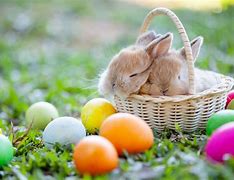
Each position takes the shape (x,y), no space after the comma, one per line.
(151,67)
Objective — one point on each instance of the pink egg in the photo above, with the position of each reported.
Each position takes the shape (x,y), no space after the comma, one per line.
(230,97)
(220,143)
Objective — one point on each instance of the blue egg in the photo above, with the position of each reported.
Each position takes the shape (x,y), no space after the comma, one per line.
(63,130)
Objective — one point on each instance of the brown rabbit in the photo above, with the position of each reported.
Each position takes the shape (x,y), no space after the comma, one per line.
(169,75)
(130,68)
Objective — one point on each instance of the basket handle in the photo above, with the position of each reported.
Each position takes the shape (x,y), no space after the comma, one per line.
(183,35)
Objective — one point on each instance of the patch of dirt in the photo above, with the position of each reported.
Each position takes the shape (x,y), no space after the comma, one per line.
(97,32)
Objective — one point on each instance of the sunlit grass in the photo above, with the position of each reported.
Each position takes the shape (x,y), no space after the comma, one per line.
(200,5)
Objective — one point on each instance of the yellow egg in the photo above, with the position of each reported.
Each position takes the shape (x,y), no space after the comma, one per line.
(95,112)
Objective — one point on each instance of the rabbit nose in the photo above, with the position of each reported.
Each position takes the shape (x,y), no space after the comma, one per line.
(113,85)
(164,91)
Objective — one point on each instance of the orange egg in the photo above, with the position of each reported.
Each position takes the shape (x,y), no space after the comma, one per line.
(127,132)
(95,155)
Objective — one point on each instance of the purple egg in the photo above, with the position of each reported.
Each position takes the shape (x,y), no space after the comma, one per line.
(221,143)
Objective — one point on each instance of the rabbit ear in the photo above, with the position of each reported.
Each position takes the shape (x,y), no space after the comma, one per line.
(145,38)
(196,46)
(160,46)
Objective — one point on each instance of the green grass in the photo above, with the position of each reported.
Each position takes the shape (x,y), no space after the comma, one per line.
(55,51)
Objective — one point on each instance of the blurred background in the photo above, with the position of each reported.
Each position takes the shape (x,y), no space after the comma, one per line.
(54,51)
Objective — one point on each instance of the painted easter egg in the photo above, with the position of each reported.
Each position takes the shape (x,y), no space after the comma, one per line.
(127,132)
(40,114)
(63,130)
(220,143)
(95,112)
(231,105)
(218,119)
(230,98)
(95,155)
(6,150)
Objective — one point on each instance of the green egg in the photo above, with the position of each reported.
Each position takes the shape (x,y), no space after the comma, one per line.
(231,105)
(40,114)
(6,150)
(218,119)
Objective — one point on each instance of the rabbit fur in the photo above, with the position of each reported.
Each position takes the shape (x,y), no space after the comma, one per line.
(169,72)
(151,67)
(129,69)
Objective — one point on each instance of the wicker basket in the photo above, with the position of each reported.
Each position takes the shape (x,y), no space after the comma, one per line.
(190,112)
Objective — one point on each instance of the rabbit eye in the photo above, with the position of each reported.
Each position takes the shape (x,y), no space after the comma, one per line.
(178,77)
(133,75)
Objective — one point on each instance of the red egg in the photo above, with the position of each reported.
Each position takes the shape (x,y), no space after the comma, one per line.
(230,97)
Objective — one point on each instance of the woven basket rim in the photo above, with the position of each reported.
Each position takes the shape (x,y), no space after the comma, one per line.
(224,86)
